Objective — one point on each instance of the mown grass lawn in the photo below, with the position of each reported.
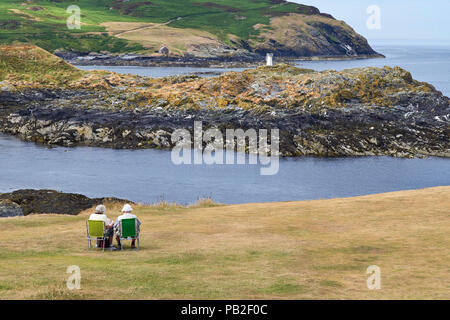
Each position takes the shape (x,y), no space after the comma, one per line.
(293,250)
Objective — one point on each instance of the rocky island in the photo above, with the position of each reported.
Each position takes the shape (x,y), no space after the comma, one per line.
(355,112)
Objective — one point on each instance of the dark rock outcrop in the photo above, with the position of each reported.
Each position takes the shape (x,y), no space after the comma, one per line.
(357,112)
(50,201)
(9,209)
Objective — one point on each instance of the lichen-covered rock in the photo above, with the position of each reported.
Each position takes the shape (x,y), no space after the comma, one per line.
(355,112)
(9,209)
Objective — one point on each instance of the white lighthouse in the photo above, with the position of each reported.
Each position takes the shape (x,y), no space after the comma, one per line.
(269,59)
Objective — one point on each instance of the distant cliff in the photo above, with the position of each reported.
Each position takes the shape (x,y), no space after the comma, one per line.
(245,29)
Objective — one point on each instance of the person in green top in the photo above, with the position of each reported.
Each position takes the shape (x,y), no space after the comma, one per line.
(126,214)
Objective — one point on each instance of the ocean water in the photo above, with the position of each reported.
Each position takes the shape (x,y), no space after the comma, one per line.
(159,72)
(149,176)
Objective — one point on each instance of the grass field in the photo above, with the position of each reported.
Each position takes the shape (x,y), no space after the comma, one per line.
(43,22)
(293,250)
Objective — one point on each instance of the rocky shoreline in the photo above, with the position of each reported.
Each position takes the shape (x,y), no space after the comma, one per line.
(402,131)
(247,60)
(107,59)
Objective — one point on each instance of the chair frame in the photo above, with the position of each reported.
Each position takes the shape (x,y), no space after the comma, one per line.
(89,238)
(129,238)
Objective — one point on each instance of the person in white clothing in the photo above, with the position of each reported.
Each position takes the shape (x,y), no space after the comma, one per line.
(126,214)
(100,215)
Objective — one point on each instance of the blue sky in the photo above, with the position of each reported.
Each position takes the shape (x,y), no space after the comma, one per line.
(417,21)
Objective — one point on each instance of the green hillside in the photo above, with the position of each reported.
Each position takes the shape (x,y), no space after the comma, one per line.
(234,23)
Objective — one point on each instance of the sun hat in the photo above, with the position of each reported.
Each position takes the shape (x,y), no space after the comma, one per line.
(127,208)
(100,209)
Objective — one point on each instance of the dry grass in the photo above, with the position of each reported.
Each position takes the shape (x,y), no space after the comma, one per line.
(29,65)
(153,35)
(293,250)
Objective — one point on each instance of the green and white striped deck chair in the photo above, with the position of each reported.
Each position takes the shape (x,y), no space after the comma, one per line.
(128,230)
(96,230)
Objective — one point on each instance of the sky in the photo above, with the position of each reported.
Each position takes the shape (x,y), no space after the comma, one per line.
(410,21)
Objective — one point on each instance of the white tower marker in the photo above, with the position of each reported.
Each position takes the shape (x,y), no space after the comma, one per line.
(269,59)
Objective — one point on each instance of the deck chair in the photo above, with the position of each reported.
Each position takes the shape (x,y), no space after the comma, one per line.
(128,230)
(96,230)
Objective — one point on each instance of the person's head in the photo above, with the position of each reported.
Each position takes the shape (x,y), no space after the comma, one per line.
(127,208)
(101,209)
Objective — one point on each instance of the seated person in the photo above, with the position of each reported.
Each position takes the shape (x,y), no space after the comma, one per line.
(100,215)
(126,214)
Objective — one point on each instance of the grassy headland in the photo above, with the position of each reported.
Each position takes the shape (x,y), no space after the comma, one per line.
(127,26)
(293,250)
(29,64)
